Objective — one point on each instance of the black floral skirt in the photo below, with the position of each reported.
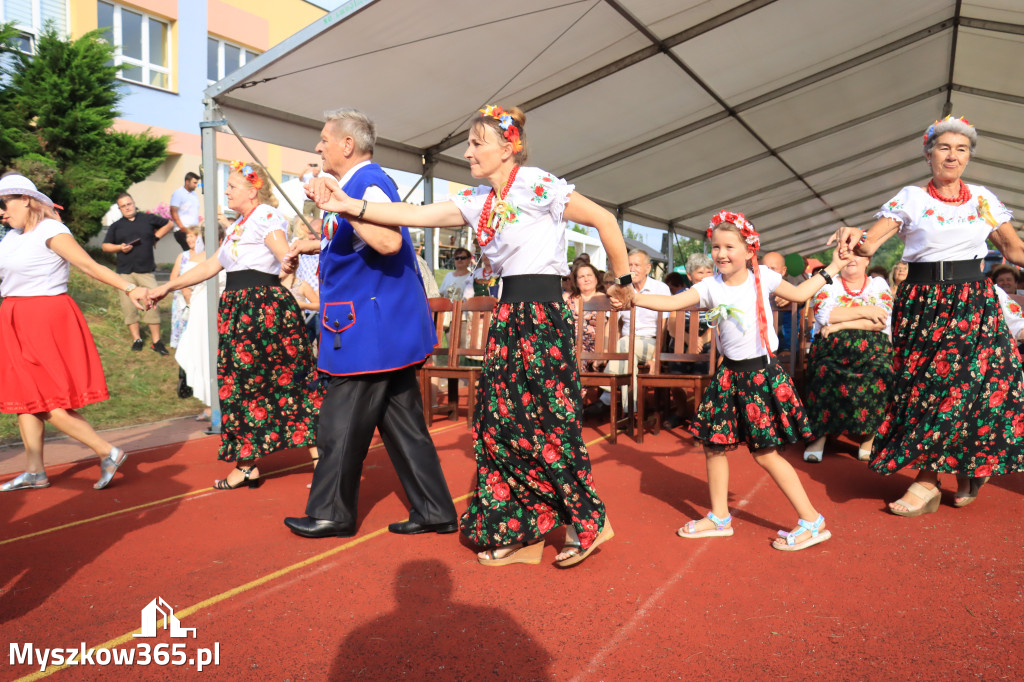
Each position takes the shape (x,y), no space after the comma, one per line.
(533,470)
(958,394)
(760,409)
(269,394)
(849,378)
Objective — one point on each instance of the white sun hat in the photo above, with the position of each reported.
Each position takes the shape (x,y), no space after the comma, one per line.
(19,185)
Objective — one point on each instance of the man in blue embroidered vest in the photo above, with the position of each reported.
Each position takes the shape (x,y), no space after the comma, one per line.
(375,329)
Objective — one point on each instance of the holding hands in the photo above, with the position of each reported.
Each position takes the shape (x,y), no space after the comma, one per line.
(155,295)
(298,248)
(325,192)
(139,297)
(622,296)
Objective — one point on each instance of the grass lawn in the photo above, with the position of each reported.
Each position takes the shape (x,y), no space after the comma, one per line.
(143,386)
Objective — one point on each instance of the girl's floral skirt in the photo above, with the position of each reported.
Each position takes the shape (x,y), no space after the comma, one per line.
(269,395)
(760,409)
(958,399)
(849,379)
(533,471)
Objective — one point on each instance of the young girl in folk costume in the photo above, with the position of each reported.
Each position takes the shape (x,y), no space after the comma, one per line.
(533,471)
(752,399)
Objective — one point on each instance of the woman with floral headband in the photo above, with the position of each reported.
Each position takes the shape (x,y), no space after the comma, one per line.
(265,365)
(751,400)
(533,471)
(958,399)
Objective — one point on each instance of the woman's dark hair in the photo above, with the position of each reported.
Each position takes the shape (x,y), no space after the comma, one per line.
(574,288)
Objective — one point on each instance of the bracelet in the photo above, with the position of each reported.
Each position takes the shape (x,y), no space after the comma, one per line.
(824,273)
(863,239)
(362,211)
(130,288)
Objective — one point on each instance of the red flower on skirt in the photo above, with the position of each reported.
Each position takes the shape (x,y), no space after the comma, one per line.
(755,415)
(513,524)
(784,393)
(501,491)
(942,368)
(545,522)
(550,454)
(983,470)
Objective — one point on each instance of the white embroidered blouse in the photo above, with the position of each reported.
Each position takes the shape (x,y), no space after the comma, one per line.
(532,241)
(831,296)
(244,246)
(937,231)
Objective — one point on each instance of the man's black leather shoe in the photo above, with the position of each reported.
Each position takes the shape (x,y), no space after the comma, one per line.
(308,527)
(413,528)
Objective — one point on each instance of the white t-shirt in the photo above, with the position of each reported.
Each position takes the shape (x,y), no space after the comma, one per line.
(532,242)
(647,320)
(876,292)
(936,231)
(244,247)
(737,336)
(457,287)
(28,267)
(187,204)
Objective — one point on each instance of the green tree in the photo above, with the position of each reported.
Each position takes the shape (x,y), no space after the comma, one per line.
(57,109)
(684,248)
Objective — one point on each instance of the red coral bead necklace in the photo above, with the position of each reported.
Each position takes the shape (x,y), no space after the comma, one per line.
(485,230)
(962,198)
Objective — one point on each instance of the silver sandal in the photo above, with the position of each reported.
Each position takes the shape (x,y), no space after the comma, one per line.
(109,466)
(26,481)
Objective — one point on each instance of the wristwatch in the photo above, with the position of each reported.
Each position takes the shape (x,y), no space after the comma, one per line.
(824,273)
(625,280)
(130,288)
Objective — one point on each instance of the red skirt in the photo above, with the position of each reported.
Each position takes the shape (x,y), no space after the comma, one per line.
(48,359)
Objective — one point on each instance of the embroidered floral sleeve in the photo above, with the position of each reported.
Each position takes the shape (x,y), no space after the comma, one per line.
(470,202)
(1012,314)
(896,208)
(822,306)
(546,191)
(264,220)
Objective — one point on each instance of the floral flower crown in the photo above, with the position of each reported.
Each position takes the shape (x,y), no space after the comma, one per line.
(508,125)
(750,235)
(248,172)
(931,129)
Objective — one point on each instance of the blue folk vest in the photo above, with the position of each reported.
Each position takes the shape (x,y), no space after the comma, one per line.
(373,309)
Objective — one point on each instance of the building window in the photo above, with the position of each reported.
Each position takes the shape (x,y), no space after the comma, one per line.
(222,58)
(142,44)
(29,17)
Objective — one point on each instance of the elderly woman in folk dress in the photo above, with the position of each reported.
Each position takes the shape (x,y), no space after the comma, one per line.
(264,361)
(958,398)
(850,361)
(533,471)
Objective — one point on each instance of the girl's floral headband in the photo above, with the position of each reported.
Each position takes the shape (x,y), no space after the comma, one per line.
(931,129)
(248,172)
(507,124)
(750,235)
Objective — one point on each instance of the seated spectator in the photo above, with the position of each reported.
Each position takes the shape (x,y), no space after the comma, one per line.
(897,275)
(676,282)
(458,284)
(585,284)
(878,271)
(1006,277)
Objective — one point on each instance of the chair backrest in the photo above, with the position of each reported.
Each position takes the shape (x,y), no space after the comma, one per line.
(790,356)
(472,319)
(441,310)
(606,333)
(686,343)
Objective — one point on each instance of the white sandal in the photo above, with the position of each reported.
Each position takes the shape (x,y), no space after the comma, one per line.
(817,535)
(722,528)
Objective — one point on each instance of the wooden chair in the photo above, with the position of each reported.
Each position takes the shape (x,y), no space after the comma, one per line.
(606,350)
(792,356)
(442,310)
(467,340)
(685,346)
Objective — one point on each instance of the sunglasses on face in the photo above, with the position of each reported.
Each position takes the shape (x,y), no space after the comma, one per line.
(462,258)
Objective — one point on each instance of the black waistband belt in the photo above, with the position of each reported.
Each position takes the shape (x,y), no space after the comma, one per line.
(245,279)
(531,289)
(945,271)
(748,365)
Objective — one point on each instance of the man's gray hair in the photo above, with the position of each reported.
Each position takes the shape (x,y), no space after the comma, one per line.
(355,124)
(698,261)
(640,252)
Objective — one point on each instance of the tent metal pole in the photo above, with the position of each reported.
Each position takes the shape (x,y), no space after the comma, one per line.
(274,182)
(671,246)
(429,234)
(209,127)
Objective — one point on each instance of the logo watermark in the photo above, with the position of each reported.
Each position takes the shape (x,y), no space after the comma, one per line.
(143,653)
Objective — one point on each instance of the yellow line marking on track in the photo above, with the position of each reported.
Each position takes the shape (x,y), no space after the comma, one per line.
(188,611)
(168,499)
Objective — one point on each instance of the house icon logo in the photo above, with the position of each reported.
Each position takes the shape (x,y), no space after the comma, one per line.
(153,612)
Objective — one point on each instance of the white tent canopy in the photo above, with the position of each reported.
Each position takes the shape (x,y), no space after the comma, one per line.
(803,114)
